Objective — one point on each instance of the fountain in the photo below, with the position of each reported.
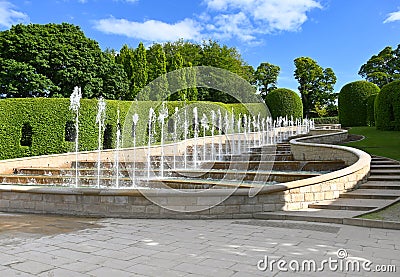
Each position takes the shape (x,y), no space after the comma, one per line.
(175,134)
(75,99)
(135,119)
(101,114)
(162,115)
(212,134)
(196,135)
(150,125)
(220,134)
(204,124)
(118,140)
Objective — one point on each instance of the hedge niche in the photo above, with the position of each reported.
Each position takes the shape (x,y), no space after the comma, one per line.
(387,107)
(42,126)
(284,102)
(353,102)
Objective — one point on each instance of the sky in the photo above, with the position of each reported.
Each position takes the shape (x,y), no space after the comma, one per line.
(341,34)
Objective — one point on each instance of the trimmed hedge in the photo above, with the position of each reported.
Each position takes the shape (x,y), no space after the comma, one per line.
(284,102)
(353,102)
(46,121)
(326,120)
(387,107)
(371,110)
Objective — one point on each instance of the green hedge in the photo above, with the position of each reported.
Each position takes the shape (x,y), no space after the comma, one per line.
(371,110)
(353,103)
(48,117)
(326,120)
(284,102)
(387,107)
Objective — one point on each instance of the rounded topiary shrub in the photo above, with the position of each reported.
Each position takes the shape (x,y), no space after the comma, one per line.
(353,102)
(371,110)
(387,107)
(284,102)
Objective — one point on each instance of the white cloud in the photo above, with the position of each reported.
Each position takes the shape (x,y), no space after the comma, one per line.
(151,30)
(268,15)
(244,20)
(228,26)
(395,16)
(9,16)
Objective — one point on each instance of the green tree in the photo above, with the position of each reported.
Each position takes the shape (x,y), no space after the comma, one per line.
(266,77)
(157,64)
(63,54)
(177,79)
(140,72)
(383,68)
(126,58)
(19,80)
(315,84)
(191,92)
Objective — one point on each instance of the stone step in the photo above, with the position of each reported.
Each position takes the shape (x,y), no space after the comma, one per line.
(381,185)
(277,165)
(372,194)
(384,178)
(385,166)
(383,162)
(350,204)
(313,215)
(385,171)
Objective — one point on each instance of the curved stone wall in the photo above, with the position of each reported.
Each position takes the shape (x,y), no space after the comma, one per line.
(131,203)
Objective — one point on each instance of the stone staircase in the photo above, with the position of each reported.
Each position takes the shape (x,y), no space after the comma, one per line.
(381,189)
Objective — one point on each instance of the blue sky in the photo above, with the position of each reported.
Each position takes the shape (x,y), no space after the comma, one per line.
(341,34)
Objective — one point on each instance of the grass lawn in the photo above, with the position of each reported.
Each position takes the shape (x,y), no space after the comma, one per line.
(376,142)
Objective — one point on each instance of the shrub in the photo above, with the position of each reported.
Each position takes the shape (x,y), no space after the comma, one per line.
(326,120)
(371,110)
(41,126)
(387,107)
(284,102)
(353,103)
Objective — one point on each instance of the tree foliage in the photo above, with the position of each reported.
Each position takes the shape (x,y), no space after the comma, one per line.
(315,84)
(55,58)
(383,68)
(266,78)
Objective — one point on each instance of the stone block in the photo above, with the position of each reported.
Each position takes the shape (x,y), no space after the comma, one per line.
(36,197)
(318,196)
(114,208)
(121,200)
(209,200)
(329,195)
(152,209)
(182,200)
(4,203)
(297,197)
(309,197)
(235,200)
(94,209)
(268,207)
(232,209)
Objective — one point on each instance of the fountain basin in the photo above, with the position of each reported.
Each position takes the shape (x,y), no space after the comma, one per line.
(211,203)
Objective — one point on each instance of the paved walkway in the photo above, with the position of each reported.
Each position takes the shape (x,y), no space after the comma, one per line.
(54,246)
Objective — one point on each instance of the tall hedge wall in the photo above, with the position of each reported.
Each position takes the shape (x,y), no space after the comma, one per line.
(47,118)
(353,103)
(371,110)
(284,102)
(387,107)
